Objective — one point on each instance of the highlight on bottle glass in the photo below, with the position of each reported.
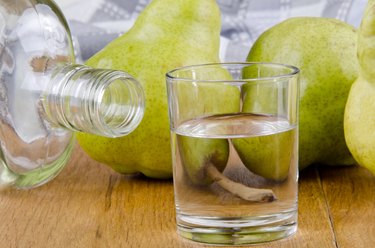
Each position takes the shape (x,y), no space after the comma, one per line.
(46,97)
(234,138)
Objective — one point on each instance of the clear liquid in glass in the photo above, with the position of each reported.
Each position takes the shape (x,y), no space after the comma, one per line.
(210,205)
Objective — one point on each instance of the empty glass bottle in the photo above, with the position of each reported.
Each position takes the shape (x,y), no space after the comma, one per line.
(45,96)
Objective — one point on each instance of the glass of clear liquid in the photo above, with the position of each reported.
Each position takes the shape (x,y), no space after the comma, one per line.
(234,138)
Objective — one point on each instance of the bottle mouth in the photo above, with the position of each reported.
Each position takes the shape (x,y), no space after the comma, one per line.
(119,104)
(98,101)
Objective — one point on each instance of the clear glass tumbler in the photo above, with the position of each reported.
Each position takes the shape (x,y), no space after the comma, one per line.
(234,136)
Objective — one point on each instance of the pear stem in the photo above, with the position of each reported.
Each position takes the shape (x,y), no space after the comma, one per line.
(238,189)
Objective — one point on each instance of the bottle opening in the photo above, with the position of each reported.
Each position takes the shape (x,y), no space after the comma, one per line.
(97,101)
(120,105)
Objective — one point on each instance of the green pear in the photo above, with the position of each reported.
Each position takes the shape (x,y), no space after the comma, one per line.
(204,159)
(166,35)
(325,52)
(198,103)
(205,108)
(269,156)
(198,154)
(360,108)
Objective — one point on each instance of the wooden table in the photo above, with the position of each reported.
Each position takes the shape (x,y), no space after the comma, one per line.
(89,205)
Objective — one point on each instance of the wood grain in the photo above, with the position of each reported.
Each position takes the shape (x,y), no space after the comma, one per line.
(350,194)
(89,205)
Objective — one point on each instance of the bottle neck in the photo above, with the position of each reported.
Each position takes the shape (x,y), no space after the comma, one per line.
(97,101)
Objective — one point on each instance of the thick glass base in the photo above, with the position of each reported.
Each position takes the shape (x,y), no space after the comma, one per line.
(237,231)
(34,178)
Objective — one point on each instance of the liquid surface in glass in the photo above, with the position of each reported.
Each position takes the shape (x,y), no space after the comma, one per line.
(262,154)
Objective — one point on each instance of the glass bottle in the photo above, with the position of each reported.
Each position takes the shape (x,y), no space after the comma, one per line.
(45,97)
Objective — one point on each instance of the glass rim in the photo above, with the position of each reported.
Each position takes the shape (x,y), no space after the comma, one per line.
(294,71)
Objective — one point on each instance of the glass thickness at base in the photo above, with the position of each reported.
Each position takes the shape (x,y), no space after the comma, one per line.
(237,231)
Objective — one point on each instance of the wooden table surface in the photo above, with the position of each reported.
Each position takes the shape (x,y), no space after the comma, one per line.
(89,205)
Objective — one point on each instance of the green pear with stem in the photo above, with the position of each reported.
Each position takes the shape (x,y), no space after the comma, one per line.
(204,101)
(360,108)
(199,154)
(324,50)
(166,35)
(204,159)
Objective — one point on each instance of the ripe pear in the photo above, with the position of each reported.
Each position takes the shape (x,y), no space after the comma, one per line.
(324,50)
(166,35)
(360,108)
(198,100)
(269,156)
(201,137)
(197,154)
(204,159)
